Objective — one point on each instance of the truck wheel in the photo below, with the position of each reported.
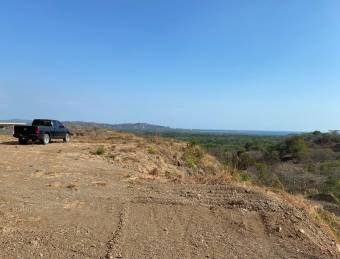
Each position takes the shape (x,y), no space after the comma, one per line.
(67,138)
(23,141)
(46,139)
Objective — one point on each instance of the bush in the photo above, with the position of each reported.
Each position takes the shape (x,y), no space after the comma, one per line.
(329,219)
(266,178)
(321,154)
(271,156)
(192,155)
(327,138)
(151,150)
(324,197)
(244,160)
(241,176)
(332,186)
(100,151)
(330,167)
(252,146)
(294,146)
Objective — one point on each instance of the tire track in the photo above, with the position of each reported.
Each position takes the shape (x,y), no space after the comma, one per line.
(114,249)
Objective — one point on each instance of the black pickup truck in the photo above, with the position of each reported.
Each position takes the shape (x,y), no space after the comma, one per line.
(43,131)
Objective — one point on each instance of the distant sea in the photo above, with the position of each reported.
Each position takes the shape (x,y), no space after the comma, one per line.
(249,132)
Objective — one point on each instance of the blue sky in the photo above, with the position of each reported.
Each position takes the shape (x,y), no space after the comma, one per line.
(262,65)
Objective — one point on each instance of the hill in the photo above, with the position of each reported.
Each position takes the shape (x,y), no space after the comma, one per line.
(131,127)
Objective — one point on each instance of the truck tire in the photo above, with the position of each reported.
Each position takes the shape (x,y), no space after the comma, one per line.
(67,138)
(46,139)
(23,141)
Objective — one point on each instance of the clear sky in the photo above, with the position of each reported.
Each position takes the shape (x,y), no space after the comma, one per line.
(262,65)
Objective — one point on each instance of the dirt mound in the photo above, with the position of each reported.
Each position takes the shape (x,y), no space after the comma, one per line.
(153,157)
(220,222)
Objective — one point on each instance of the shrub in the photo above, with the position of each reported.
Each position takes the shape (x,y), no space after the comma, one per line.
(336,148)
(294,146)
(192,155)
(332,185)
(329,219)
(266,178)
(330,167)
(241,176)
(252,146)
(100,151)
(151,150)
(271,156)
(317,133)
(321,154)
(324,197)
(244,160)
(327,138)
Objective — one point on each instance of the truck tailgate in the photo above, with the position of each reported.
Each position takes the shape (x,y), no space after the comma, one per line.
(24,130)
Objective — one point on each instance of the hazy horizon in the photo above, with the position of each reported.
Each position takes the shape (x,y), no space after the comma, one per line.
(179,128)
(223,65)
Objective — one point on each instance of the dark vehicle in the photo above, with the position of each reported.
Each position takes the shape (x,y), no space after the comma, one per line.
(43,131)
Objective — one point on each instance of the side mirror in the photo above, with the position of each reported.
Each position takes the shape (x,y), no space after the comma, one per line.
(61,126)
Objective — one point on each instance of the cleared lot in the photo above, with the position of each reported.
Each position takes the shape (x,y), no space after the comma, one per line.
(59,201)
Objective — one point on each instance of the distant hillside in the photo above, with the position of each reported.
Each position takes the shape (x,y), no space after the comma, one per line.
(152,128)
(132,127)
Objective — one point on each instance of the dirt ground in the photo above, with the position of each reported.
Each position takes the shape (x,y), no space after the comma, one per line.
(60,201)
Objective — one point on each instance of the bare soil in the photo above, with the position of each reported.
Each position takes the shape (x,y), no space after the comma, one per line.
(61,201)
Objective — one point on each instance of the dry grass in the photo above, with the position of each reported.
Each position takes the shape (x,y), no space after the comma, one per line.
(328,221)
(72,186)
(152,156)
(177,161)
(222,178)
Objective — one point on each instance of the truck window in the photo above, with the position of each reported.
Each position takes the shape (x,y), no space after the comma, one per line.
(47,123)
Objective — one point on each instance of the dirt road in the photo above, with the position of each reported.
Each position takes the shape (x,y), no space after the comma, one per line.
(59,201)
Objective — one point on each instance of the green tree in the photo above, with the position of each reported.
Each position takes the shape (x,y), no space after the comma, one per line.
(294,146)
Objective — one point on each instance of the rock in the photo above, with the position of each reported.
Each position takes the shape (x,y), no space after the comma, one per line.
(302,231)
(338,247)
(279,229)
(34,242)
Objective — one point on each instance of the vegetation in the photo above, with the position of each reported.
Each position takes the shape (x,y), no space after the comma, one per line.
(330,219)
(308,163)
(192,155)
(152,150)
(100,151)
